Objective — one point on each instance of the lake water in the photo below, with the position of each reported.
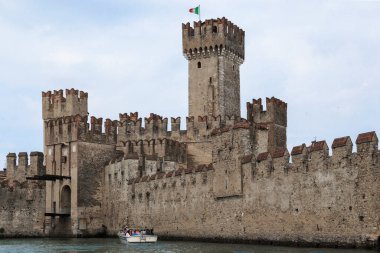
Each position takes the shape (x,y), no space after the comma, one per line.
(114,246)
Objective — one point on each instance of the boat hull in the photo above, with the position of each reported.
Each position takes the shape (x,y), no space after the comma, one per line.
(138,238)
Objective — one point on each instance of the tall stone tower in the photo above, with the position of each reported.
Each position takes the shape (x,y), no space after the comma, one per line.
(215,50)
(75,154)
(61,156)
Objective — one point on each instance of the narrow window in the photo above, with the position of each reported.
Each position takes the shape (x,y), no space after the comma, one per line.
(210,80)
(60,128)
(233,67)
(214,29)
(109,178)
(199,65)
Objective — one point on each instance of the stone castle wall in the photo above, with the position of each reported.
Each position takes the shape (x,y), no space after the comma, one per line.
(22,210)
(320,200)
(22,202)
(91,160)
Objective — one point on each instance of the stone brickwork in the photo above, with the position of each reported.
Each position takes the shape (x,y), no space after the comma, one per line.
(215,51)
(325,200)
(22,210)
(3,175)
(22,204)
(56,105)
(222,177)
(270,124)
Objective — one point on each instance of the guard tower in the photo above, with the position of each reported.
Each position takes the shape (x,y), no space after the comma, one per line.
(215,50)
(61,156)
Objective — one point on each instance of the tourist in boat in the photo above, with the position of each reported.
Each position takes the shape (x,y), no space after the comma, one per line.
(127,234)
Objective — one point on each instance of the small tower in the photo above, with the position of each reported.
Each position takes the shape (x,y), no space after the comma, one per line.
(215,50)
(270,125)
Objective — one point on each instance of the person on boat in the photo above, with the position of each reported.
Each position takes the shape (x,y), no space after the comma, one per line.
(138,232)
(127,234)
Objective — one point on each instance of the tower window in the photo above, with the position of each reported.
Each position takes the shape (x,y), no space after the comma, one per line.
(199,65)
(214,29)
(210,80)
(233,67)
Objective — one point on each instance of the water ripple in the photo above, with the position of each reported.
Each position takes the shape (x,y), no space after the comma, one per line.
(114,246)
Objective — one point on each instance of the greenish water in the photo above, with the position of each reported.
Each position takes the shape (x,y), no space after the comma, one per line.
(114,246)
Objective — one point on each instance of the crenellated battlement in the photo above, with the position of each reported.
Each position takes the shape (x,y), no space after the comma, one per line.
(243,124)
(213,36)
(111,127)
(56,105)
(270,123)
(23,165)
(276,111)
(133,116)
(155,126)
(3,175)
(316,156)
(77,128)
(159,148)
(367,143)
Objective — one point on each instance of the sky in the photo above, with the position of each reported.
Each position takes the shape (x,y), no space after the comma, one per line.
(321,57)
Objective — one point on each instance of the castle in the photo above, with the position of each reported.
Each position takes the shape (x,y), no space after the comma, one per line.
(223,178)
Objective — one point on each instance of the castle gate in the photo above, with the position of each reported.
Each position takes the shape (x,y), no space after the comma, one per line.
(66,200)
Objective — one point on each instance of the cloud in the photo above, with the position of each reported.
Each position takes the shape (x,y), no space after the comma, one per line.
(319,56)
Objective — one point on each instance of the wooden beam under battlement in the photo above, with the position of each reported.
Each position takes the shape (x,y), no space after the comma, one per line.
(48,177)
(57,214)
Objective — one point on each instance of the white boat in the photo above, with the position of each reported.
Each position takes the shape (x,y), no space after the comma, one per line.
(141,238)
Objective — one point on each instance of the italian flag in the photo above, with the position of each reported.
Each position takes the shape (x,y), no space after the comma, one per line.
(195,10)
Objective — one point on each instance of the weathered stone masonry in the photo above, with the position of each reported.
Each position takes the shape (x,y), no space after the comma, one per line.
(223,177)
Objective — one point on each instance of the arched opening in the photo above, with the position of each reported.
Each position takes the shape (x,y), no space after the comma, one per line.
(199,65)
(66,200)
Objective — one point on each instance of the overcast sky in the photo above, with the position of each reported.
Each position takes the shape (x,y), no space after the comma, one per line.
(321,57)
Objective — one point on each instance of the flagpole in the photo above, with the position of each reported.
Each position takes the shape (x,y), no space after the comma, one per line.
(199,14)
